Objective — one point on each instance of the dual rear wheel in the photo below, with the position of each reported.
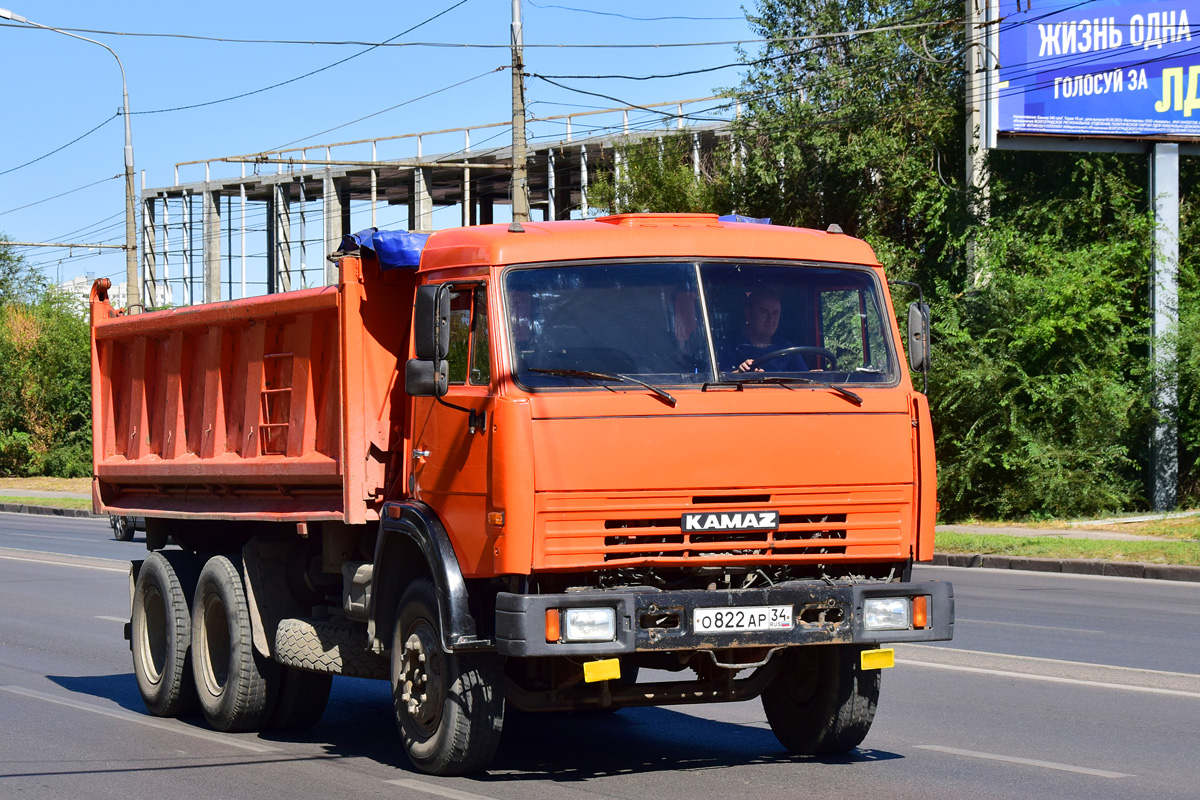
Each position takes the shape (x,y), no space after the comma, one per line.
(193,648)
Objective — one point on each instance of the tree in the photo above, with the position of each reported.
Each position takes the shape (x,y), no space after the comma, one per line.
(1040,386)
(45,392)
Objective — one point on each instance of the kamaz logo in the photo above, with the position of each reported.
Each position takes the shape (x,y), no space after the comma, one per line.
(731,521)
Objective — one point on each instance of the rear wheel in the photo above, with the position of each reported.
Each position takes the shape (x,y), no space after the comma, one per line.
(822,702)
(161,632)
(236,685)
(449,706)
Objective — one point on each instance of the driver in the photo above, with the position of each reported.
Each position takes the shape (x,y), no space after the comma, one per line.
(763,311)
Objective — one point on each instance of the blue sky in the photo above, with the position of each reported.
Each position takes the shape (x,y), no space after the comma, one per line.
(57,88)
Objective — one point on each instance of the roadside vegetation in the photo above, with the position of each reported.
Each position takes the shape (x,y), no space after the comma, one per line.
(1042,381)
(45,362)
(1149,552)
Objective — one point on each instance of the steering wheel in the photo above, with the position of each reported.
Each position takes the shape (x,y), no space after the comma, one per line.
(787,351)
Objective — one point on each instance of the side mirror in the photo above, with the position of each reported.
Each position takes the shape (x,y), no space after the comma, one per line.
(918,337)
(424,378)
(431,323)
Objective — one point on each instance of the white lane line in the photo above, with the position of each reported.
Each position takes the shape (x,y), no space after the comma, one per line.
(1025,625)
(1029,762)
(945,651)
(113,619)
(149,722)
(44,536)
(1049,678)
(68,561)
(440,791)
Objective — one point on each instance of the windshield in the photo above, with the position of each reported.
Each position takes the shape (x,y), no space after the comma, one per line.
(671,324)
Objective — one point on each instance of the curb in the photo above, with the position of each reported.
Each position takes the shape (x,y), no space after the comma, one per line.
(50,511)
(1117,569)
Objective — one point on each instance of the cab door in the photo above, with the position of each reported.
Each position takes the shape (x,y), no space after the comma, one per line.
(451,437)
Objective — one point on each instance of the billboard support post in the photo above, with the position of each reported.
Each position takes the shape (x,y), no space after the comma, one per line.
(1164,295)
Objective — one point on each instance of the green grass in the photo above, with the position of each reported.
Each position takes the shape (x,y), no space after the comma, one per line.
(1150,552)
(56,502)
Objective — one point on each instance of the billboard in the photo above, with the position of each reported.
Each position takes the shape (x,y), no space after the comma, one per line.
(1106,68)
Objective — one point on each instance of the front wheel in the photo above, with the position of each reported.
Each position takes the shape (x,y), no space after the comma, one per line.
(822,702)
(122,528)
(449,706)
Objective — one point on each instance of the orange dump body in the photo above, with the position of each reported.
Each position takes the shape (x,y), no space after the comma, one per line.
(291,408)
(280,408)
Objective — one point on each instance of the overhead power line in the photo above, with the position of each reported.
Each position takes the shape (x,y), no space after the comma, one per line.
(63,194)
(313,72)
(64,147)
(629,17)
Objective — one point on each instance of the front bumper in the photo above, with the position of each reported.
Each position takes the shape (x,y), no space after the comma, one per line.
(824,612)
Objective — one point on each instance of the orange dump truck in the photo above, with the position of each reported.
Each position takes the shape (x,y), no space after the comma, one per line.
(515,465)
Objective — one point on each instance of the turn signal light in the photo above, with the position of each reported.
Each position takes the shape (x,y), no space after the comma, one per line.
(553,625)
(920,618)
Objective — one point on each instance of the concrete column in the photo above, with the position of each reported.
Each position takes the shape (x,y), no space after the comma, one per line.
(281,222)
(1164,298)
(150,288)
(551,186)
(583,181)
(211,220)
(337,212)
(420,209)
(468,210)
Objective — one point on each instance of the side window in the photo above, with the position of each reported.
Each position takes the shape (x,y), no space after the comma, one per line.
(481,371)
(468,336)
(853,329)
(460,335)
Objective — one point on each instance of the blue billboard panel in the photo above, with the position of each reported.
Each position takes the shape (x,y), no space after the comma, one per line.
(1106,68)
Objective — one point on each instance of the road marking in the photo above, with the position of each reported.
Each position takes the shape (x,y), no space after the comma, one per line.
(65,560)
(440,791)
(1049,678)
(1025,625)
(1030,762)
(149,722)
(114,619)
(44,536)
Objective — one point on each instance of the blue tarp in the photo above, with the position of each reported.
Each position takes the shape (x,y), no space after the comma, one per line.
(740,218)
(394,249)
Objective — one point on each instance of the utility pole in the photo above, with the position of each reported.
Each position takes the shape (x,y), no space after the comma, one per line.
(520,187)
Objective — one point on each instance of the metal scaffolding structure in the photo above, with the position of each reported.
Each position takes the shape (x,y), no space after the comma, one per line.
(270,231)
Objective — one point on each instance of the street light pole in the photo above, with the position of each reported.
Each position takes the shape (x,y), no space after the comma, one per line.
(132,276)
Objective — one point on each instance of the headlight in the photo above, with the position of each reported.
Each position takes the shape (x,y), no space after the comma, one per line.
(887,614)
(589,624)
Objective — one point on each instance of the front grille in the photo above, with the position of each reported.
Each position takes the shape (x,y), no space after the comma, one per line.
(797,533)
(593,530)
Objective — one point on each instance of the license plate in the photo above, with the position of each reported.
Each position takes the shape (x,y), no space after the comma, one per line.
(742,618)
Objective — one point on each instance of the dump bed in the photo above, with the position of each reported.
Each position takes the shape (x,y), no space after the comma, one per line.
(280,408)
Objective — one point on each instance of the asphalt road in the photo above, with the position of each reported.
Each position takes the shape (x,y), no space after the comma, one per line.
(1056,686)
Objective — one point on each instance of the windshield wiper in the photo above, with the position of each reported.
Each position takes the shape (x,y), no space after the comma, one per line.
(607,376)
(786,379)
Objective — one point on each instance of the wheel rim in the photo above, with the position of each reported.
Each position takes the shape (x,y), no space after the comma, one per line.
(152,634)
(422,679)
(215,645)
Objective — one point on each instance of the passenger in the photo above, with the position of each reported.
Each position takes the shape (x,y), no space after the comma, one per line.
(759,337)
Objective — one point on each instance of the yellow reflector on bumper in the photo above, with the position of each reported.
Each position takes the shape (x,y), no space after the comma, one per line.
(878,659)
(607,670)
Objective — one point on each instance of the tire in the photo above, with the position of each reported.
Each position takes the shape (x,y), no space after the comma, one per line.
(303,696)
(449,706)
(161,633)
(237,687)
(322,645)
(822,702)
(122,529)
